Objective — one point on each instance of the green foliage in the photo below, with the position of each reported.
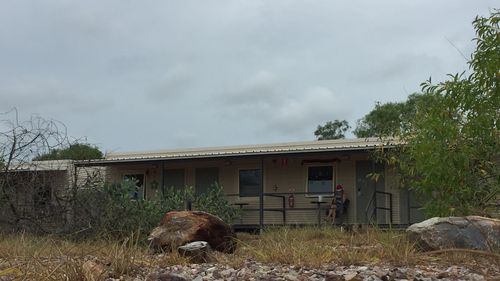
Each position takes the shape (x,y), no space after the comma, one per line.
(390,119)
(332,130)
(76,151)
(177,199)
(112,211)
(214,202)
(452,151)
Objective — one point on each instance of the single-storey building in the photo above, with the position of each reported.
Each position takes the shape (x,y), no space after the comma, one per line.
(276,184)
(40,190)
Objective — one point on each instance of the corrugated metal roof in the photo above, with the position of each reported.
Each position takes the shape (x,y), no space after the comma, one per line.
(245,150)
(45,165)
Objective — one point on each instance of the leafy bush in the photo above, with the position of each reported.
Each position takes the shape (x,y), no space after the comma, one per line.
(452,154)
(450,132)
(112,211)
(215,203)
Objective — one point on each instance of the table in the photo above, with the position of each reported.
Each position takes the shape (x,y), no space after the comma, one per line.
(318,207)
(241,204)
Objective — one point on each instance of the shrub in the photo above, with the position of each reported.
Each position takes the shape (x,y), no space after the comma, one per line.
(215,203)
(112,211)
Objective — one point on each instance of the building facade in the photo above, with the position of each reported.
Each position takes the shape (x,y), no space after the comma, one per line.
(276,184)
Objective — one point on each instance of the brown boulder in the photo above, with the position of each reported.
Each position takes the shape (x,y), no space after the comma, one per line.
(178,228)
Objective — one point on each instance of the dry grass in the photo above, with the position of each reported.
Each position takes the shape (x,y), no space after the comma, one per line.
(51,258)
(318,246)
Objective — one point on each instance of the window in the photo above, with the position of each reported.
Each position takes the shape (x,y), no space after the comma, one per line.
(205,178)
(138,181)
(320,179)
(42,196)
(174,178)
(250,182)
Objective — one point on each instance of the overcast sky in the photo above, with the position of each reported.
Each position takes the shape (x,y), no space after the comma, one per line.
(145,75)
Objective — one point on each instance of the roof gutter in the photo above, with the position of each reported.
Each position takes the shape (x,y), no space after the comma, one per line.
(224,155)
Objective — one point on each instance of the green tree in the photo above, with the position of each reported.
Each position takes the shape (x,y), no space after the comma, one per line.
(389,119)
(452,147)
(332,130)
(76,151)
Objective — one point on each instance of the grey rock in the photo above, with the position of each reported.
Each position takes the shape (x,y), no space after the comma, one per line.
(472,232)
(292,276)
(197,251)
(475,277)
(165,277)
(334,277)
(198,278)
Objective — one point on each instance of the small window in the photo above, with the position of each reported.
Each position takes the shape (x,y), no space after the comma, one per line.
(250,182)
(138,181)
(42,196)
(205,178)
(174,179)
(320,179)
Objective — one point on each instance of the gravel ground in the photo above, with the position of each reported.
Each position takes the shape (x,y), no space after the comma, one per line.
(252,270)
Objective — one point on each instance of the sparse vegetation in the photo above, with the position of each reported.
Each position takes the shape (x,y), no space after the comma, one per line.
(112,211)
(31,257)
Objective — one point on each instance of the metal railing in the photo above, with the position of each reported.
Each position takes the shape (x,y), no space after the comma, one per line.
(372,207)
(282,206)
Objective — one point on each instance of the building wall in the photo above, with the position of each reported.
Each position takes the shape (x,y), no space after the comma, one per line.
(35,194)
(283,175)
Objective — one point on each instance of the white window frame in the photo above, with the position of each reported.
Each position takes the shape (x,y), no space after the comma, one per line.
(334,178)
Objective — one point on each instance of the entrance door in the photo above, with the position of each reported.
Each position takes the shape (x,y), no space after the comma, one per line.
(365,188)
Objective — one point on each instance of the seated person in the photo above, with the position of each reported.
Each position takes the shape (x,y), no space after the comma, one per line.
(338,206)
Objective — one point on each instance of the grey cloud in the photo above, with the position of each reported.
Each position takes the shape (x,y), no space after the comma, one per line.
(196,73)
(173,84)
(263,88)
(301,115)
(126,64)
(399,66)
(40,94)
(275,107)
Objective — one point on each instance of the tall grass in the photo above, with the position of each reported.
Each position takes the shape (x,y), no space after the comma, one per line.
(29,257)
(318,246)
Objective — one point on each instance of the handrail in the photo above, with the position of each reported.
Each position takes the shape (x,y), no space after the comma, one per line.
(284,208)
(274,195)
(373,200)
(383,192)
(286,193)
